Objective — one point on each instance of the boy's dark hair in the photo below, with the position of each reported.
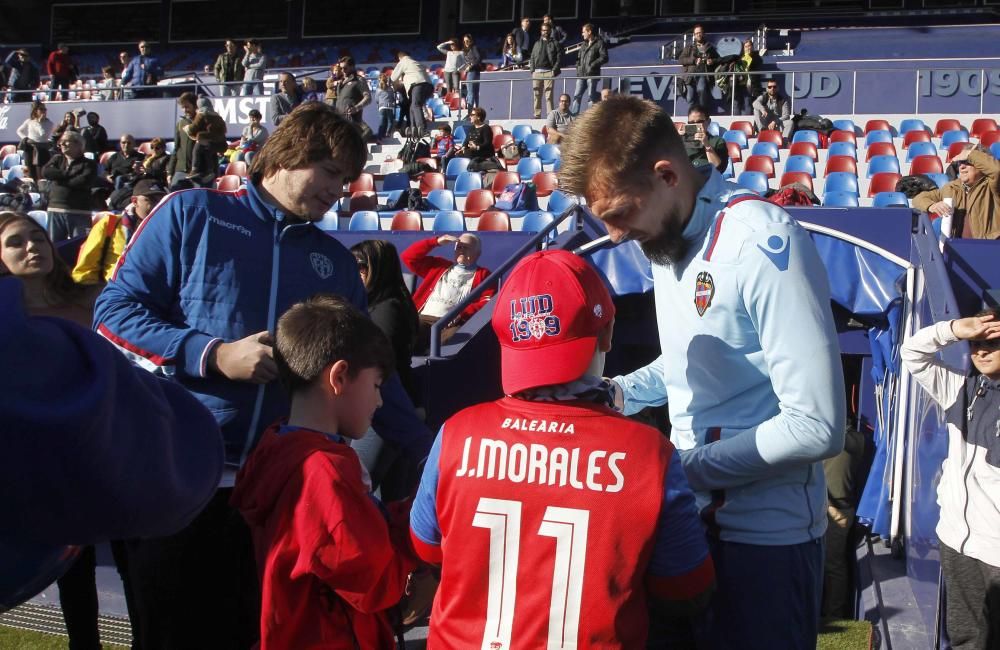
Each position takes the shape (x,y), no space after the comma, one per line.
(322,330)
(445,129)
(253,112)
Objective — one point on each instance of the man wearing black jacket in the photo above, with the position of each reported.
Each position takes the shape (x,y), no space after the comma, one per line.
(544,65)
(70,175)
(699,59)
(591,57)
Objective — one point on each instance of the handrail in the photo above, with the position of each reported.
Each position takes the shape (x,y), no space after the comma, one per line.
(493,278)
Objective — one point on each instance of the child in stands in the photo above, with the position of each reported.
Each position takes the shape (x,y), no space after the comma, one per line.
(444,144)
(331,559)
(385,99)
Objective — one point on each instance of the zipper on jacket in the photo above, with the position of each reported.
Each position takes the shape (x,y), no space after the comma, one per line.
(965,488)
(805,490)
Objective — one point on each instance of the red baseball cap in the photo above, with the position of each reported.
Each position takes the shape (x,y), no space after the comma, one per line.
(547,317)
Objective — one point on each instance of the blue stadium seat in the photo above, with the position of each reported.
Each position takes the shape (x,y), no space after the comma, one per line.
(878,135)
(559,201)
(550,154)
(842,182)
(714,128)
(844,125)
(441,111)
(330,221)
(441,199)
(459,134)
(536,220)
(364,220)
(912,124)
(41,217)
(843,149)
(950,137)
(528,167)
(11,160)
(730,171)
(468,181)
(737,136)
(755,181)
(765,149)
(920,149)
(534,141)
(882,164)
(395,181)
(449,221)
(520,132)
(455,167)
(886,199)
(995,150)
(806,135)
(940,179)
(801,164)
(840,199)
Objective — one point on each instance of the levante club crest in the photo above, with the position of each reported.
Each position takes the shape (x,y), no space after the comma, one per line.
(704,290)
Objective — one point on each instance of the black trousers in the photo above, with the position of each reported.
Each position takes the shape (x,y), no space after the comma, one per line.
(197,588)
(972,601)
(78,599)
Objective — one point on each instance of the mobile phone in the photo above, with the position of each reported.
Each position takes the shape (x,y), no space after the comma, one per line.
(691,131)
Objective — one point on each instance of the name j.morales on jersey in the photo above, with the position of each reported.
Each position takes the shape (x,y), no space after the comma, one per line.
(542,465)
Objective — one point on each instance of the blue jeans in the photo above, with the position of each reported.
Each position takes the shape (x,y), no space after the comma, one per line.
(472,88)
(582,85)
(385,125)
(253,88)
(697,89)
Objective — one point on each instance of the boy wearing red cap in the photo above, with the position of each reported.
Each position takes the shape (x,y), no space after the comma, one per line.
(554,517)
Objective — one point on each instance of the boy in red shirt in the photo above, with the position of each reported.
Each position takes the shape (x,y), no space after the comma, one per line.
(330,560)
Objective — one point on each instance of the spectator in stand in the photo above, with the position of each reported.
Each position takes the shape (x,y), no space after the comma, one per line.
(560,120)
(606,93)
(478,143)
(208,130)
(143,70)
(445,282)
(748,86)
(353,92)
(23,79)
(154,166)
(453,63)
(975,196)
(180,162)
(95,137)
(62,70)
(286,99)
(229,70)
(558,33)
(473,66)
(419,89)
(772,110)
(704,148)
(442,146)
(592,55)
(310,92)
(36,139)
(70,122)
(522,39)
(385,99)
(699,59)
(107,84)
(106,242)
(254,136)
(213,338)
(510,53)
(70,175)
(254,66)
(125,165)
(331,85)
(544,66)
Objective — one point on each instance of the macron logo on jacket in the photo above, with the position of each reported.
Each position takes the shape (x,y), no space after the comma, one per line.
(243,230)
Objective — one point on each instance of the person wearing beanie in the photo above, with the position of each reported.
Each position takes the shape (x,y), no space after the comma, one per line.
(550,481)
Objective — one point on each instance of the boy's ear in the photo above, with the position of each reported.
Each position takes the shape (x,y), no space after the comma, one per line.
(336,376)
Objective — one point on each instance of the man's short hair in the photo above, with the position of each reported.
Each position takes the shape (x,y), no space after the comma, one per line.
(188,97)
(347,59)
(253,112)
(595,159)
(697,108)
(311,133)
(589,27)
(322,330)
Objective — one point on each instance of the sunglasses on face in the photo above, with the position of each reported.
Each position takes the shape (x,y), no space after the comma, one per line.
(772,87)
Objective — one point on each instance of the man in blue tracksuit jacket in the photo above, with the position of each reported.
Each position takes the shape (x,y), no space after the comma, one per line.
(750,364)
(195,297)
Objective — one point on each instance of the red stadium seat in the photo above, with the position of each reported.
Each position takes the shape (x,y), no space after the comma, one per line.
(499,140)
(431,181)
(983,125)
(497,129)
(844,136)
(841,164)
(804,149)
(407,220)
(947,124)
(545,183)
(770,135)
(363,200)
(760,163)
(503,179)
(228,183)
(880,149)
(105,157)
(796,177)
(430,162)
(883,182)
(742,125)
(989,138)
(238,168)
(493,220)
(735,152)
(365,182)
(877,125)
(926,165)
(917,135)
(955,148)
(145,148)
(477,202)
(7,149)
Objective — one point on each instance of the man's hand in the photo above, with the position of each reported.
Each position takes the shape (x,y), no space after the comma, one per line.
(940,208)
(447,239)
(619,395)
(250,359)
(963,154)
(772,125)
(976,328)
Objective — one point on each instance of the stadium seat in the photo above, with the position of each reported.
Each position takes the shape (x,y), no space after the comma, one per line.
(840,199)
(330,221)
(844,136)
(520,132)
(983,125)
(449,221)
(880,149)
(366,220)
(503,179)
(921,149)
(468,181)
(742,125)
(533,141)
(912,124)
(559,201)
(41,217)
(770,135)
(431,181)
(735,152)
(497,129)
(950,137)
(883,182)
(940,179)
(915,136)
(989,138)
(954,149)
(395,181)
(15,172)
(947,124)
(550,154)
(455,167)
(801,164)
(459,134)
(842,182)
(926,165)
(361,201)
(528,167)
(499,140)
(730,171)
(841,164)
(477,202)
(105,157)
(754,181)
(843,149)
(768,149)
(887,199)
(535,220)
(806,135)
(878,135)
(845,125)
(796,177)
(714,128)
(441,199)
(365,182)
(995,150)
(407,220)
(493,220)
(7,149)
(12,160)
(804,149)
(545,183)
(737,137)
(228,183)
(763,164)
(239,168)
(880,164)
(145,148)
(877,125)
